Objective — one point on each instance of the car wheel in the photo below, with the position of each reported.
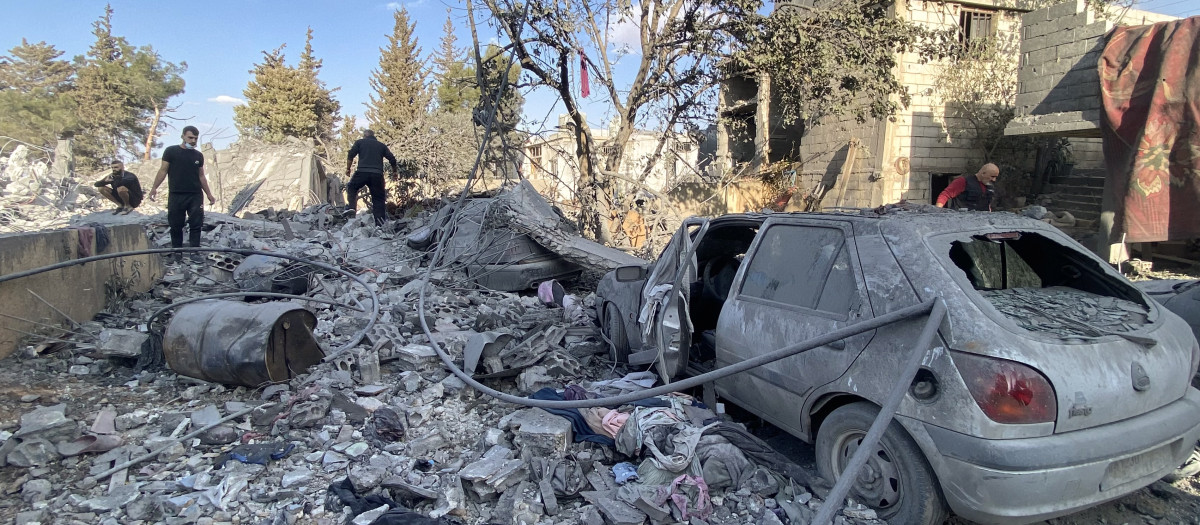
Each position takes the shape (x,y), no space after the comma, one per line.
(896,481)
(614,332)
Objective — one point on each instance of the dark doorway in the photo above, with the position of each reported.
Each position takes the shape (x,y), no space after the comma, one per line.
(937,183)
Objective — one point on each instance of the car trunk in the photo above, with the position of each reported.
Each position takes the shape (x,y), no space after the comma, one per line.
(1095,338)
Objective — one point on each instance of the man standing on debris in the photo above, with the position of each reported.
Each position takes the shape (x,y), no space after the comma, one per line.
(121,187)
(370,154)
(973,192)
(183,167)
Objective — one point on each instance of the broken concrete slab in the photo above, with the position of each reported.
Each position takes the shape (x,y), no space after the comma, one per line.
(526,211)
(417,358)
(615,511)
(49,423)
(121,343)
(541,432)
(494,472)
(33,452)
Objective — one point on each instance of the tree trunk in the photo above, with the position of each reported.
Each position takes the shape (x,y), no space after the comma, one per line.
(152,132)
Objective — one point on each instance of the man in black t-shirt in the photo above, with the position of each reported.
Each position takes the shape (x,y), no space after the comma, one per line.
(121,187)
(183,168)
(370,154)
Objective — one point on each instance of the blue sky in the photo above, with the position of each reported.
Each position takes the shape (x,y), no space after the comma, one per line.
(221,40)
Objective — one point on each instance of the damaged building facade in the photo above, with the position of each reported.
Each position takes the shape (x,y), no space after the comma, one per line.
(912,157)
(551,166)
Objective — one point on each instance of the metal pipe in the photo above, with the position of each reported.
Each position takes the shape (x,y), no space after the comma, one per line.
(787,351)
(887,412)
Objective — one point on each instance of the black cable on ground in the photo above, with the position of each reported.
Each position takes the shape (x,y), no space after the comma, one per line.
(354,339)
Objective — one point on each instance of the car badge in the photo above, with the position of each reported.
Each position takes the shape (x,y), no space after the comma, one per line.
(1141,380)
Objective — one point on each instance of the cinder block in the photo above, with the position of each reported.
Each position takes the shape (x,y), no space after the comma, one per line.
(1039,84)
(1068,8)
(1042,56)
(1093,29)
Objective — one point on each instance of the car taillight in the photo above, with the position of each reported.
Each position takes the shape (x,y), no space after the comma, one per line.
(1007,391)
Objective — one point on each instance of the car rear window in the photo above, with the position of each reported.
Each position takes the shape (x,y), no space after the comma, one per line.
(1048,287)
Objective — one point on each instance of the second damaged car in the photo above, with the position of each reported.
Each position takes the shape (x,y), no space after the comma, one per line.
(1053,384)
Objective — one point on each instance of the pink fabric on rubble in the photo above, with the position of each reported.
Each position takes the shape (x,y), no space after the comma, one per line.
(613,421)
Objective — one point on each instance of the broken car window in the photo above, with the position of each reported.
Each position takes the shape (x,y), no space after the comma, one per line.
(802,266)
(1048,287)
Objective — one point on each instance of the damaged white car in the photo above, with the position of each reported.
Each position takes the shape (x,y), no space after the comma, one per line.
(1053,384)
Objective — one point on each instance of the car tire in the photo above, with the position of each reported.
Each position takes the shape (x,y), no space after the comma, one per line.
(614,331)
(897,481)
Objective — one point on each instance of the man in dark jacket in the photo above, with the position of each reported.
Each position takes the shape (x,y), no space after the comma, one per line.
(121,187)
(370,154)
(973,192)
(183,169)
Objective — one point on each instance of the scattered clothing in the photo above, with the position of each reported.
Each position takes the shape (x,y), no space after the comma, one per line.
(613,421)
(259,453)
(579,424)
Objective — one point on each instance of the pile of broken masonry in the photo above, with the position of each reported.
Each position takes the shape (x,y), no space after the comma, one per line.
(382,433)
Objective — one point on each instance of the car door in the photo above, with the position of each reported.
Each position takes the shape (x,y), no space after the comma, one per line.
(664,314)
(800,280)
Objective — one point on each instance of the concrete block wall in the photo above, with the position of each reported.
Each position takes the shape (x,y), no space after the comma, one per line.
(1060,47)
(1058,90)
(80,291)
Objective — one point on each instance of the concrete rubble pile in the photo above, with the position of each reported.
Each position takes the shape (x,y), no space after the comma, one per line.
(379,433)
(33,198)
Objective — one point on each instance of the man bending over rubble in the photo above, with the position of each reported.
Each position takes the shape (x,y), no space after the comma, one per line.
(183,167)
(973,192)
(121,187)
(370,154)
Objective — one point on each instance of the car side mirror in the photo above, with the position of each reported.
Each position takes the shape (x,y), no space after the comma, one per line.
(626,274)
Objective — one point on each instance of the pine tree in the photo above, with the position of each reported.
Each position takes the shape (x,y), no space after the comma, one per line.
(400,97)
(506,116)
(327,108)
(33,85)
(104,109)
(284,101)
(455,77)
(120,94)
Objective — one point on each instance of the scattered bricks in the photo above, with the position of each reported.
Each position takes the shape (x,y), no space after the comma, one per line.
(494,472)
(121,343)
(615,511)
(417,358)
(545,434)
(425,446)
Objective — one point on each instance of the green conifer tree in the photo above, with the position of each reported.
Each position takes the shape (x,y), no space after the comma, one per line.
(401,98)
(33,85)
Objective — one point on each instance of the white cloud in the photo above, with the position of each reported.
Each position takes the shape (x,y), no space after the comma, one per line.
(227,100)
(626,34)
(394,6)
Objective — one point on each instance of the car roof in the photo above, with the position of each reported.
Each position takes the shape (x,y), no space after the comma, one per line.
(919,219)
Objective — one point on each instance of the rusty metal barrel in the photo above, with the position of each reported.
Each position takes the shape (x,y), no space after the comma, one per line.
(236,343)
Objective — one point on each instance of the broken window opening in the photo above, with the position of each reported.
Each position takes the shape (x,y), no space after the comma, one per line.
(1047,287)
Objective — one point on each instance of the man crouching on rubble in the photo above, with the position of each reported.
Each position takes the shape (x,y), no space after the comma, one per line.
(184,165)
(370,154)
(121,187)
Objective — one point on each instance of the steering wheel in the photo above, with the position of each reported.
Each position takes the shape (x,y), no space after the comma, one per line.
(714,270)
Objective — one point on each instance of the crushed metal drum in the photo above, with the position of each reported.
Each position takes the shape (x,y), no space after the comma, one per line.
(236,343)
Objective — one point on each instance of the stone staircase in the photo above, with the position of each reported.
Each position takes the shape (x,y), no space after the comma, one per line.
(1079,193)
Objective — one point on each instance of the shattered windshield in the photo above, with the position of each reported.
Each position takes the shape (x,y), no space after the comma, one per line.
(1047,287)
